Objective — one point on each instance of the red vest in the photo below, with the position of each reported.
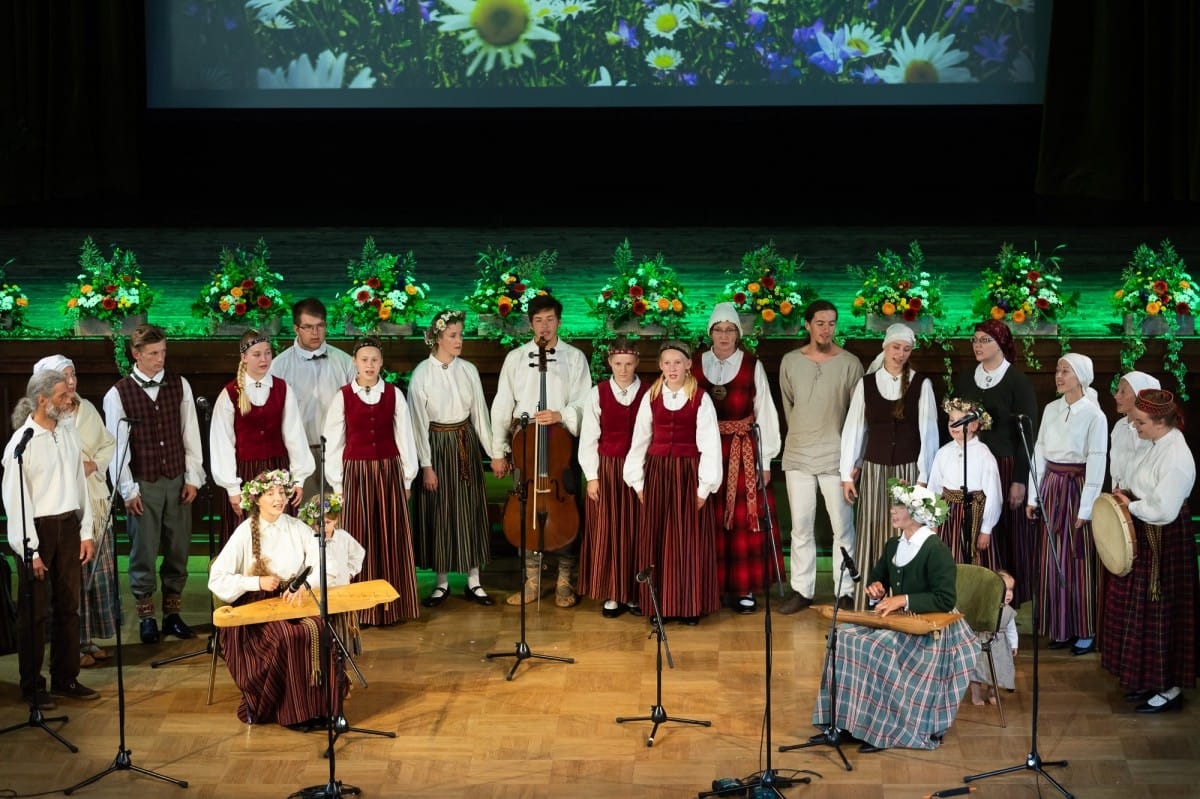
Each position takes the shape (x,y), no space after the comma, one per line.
(370,432)
(258,436)
(616,420)
(738,402)
(156,441)
(675,431)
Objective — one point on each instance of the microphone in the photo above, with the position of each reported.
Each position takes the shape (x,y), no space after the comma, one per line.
(1021,417)
(298,581)
(848,562)
(644,575)
(970,417)
(203,406)
(19,449)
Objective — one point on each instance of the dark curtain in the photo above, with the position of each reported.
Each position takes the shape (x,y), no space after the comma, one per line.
(71,101)
(1121,120)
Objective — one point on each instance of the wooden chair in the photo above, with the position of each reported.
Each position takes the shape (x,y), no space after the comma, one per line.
(981,601)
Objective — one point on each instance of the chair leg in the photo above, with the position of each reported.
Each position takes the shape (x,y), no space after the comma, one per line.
(212,666)
(995,687)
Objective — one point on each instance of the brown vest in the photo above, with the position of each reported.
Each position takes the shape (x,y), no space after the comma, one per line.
(892,441)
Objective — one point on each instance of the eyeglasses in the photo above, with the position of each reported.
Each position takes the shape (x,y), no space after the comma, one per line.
(312,328)
(725,330)
(982,340)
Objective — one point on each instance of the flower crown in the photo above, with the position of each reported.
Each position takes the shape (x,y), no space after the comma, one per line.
(924,506)
(313,511)
(260,485)
(967,406)
(440,323)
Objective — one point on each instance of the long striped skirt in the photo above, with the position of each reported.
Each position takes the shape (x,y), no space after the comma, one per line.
(375,513)
(246,471)
(1067,606)
(963,542)
(276,667)
(677,539)
(747,561)
(872,519)
(99,607)
(896,689)
(607,558)
(451,531)
(1149,633)
(1017,538)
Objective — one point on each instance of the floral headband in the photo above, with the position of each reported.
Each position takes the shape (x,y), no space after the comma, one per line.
(921,503)
(259,339)
(261,484)
(440,323)
(313,511)
(966,406)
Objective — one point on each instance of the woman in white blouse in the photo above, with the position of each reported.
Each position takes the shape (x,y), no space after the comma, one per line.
(452,430)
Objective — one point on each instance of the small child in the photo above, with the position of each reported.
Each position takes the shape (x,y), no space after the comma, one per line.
(1003,656)
(343,559)
(983,498)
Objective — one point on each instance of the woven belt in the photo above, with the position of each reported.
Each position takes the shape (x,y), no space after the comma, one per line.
(460,429)
(741,458)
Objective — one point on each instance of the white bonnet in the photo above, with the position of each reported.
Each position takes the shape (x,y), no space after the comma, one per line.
(724,312)
(53,362)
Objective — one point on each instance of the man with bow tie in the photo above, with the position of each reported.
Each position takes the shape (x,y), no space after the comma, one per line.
(314,371)
(158,469)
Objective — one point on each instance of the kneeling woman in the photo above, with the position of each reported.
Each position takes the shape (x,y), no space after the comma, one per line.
(897,688)
(272,663)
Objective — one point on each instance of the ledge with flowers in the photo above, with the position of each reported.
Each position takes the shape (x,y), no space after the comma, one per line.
(768,294)
(895,289)
(385,297)
(109,295)
(503,288)
(243,293)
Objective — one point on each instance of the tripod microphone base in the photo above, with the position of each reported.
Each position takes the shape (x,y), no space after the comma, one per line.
(207,650)
(124,762)
(1033,762)
(767,782)
(36,719)
(522,653)
(330,789)
(341,727)
(830,736)
(659,716)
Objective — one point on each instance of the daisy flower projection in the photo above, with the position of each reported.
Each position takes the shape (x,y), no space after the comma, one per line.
(664,59)
(494,29)
(329,73)
(666,20)
(927,61)
(605,79)
(863,40)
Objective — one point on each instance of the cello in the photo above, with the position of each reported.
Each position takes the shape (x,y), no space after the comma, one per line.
(542,513)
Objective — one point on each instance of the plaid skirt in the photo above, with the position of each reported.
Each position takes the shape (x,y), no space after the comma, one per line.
(897,689)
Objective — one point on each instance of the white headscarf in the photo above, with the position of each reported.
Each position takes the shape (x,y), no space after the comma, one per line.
(54,362)
(896,332)
(1140,381)
(1081,365)
(724,312)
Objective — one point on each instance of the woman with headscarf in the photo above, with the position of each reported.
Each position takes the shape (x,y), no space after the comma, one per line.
(891,431)
(98,608)
(737,383)
(1125,447)
(1068,460)
(1150,623)
(1008,396)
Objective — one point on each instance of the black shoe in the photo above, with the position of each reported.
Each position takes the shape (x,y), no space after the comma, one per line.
(1062,644)
(436,597)
(1084,650)
(74,690)
(174,625)
(746,605)
(40,699)
(1137,696)
(1171,704)
(611,613)
(690,621)
(845,603)
(634,610)
(476,594)
(869,749)
(794,604)
(149,631)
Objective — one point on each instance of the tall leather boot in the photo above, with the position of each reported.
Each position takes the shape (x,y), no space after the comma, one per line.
(534,588)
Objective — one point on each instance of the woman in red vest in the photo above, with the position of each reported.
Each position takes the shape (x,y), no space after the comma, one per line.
(256,427)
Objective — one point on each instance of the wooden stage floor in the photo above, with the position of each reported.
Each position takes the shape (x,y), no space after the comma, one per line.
(463,730)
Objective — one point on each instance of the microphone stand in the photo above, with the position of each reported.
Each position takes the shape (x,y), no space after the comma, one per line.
(966,540)
(1033,760)
(522,653)
(36,719)
(209,645)
(124,760)
(768,780)
(658,714)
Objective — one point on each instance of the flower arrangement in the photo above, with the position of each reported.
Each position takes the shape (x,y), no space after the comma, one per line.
(13,302)
(507,283)
(767,289)
(924,506)
(966,406)
(109,289)
(243,290)
(894,288)
(640,294)
(1023,289)
(259,485)
(384,289)
(1156,290)
(314,511)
